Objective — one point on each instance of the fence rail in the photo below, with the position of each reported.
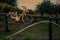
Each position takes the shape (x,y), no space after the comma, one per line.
(38,16)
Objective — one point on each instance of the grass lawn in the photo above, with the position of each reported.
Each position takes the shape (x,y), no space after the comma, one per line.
(40,31)
(12,27)
(36,31)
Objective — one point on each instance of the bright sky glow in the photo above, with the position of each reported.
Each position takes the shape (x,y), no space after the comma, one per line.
(31,4)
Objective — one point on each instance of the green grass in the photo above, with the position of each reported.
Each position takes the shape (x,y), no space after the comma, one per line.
(12,27)
(40,31)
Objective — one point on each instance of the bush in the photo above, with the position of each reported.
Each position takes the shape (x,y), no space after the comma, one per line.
(5,8)
(27,38)
(9,2)
(3,38)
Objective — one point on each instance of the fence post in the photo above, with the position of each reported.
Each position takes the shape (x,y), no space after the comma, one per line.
(56,18)
(50,28)
(6,24)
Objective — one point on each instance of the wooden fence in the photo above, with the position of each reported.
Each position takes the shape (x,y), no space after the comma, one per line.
(49,18)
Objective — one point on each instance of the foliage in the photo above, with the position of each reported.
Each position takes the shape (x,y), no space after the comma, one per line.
(3,38)
(9,5)
(5,8)
(45,7)
(31,11)
(48,7)
(9,2)
(57,9)
(27,38)
(19,10)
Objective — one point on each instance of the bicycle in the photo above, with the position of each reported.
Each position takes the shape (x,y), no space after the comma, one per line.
(26,18)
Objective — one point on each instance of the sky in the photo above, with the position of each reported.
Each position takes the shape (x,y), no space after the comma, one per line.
(31,4)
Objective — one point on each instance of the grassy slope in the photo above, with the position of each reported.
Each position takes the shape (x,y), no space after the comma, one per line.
(40,31)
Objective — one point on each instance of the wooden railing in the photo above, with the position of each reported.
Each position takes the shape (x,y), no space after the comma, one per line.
(49,18)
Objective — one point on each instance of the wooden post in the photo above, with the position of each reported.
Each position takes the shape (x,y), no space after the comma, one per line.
(6,24)
(50,28)
(56,18)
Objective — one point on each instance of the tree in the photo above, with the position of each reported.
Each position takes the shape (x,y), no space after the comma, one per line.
(18,10)
(31,11)
(57,11)
(10,2)
(5,8)
(45,7)
(2,1)
(57,7)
